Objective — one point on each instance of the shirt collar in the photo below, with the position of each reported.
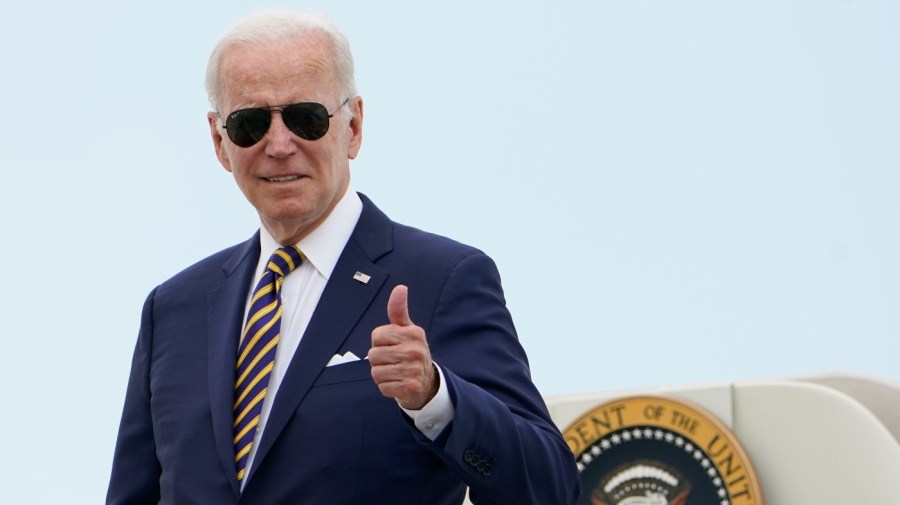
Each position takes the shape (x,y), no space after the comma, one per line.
(323,246)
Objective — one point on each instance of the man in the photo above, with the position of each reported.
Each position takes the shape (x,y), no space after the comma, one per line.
(297,367)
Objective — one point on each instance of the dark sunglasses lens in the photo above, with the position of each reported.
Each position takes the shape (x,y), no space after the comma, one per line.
(246,127)
(308,120)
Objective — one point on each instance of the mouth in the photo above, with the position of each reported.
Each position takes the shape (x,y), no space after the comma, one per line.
(283,178)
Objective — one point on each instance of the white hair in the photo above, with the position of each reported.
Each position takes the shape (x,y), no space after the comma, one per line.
(279,25)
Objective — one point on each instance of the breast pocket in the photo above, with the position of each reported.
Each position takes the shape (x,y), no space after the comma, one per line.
(353,371)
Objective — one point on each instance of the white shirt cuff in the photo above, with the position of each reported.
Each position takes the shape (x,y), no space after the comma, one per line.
(436,414)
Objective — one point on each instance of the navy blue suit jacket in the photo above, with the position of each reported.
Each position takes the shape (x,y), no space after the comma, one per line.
(331,437)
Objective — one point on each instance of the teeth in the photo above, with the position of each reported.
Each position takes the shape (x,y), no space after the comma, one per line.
(282,179)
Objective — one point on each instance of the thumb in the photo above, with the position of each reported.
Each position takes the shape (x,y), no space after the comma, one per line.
(397,308)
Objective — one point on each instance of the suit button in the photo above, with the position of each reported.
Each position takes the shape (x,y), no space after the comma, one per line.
(481,465)
(488,470)
(468,455)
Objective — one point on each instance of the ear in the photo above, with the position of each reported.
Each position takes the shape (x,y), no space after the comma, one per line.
(356,108)
(218,140)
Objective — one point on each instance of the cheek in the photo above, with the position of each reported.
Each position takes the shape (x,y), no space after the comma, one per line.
(225,156)
(240,161)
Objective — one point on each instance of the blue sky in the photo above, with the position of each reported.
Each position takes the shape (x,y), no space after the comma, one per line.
(675,192)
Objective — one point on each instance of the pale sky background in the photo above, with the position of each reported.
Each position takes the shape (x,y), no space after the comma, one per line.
(676,192)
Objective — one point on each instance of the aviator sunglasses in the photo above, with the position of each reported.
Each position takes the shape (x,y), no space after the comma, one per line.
(308,120)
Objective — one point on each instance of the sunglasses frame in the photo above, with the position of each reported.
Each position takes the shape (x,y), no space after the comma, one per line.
(298,130)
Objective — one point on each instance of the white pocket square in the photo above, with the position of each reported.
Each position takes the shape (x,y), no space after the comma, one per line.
(339,359)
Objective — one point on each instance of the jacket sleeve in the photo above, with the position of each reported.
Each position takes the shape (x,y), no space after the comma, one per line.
(136,469)
(501,441)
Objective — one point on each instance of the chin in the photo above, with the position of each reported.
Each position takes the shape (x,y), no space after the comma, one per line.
(289,219)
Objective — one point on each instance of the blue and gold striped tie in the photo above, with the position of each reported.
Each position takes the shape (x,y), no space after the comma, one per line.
(256,354)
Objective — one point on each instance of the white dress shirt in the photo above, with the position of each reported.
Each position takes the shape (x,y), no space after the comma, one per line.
(300,294)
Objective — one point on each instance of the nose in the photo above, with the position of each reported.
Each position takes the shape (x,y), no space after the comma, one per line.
(280,140)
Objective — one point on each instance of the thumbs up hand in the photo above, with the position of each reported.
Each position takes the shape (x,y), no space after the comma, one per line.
(400,359)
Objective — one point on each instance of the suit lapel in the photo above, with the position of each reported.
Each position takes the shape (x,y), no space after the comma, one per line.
(343,302)
(225,314)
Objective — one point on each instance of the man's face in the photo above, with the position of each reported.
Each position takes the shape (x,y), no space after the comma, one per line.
(293,183)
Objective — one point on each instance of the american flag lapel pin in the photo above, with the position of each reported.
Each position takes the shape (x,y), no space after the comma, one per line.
(361,277)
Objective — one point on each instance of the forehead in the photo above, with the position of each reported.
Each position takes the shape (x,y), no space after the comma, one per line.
(277,72)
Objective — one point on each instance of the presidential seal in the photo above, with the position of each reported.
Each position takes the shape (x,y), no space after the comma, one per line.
(654,450)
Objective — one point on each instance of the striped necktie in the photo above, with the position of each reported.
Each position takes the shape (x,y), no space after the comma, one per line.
(256,354)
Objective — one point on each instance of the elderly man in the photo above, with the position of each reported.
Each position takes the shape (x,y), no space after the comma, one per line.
(296,368)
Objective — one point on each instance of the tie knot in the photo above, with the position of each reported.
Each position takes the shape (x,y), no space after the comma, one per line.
(285,260)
